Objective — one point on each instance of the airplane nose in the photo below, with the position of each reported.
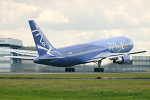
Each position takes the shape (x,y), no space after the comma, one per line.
(131,44)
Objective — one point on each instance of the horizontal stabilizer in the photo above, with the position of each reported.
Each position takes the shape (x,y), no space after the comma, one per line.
(22,52)
(21,57)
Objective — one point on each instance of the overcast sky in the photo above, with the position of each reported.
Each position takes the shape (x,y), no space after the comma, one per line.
(68,22)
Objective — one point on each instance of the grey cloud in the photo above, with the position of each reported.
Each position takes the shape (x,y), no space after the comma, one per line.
(92,15)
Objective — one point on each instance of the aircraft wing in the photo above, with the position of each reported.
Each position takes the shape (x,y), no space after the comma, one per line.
(22,52)
(111,56)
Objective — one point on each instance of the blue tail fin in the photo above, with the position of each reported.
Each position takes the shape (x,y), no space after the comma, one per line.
(42,44)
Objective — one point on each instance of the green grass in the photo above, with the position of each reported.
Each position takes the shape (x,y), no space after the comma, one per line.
(77,76)
(38,89)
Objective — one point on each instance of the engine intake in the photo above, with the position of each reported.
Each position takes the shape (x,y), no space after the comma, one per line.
(122,60)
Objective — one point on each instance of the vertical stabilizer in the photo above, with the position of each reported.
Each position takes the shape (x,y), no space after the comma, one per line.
(42,44)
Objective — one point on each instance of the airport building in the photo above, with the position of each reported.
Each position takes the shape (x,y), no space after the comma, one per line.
(138,64)
(5,62)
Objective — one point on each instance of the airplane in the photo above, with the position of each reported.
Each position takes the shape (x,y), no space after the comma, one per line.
(115,48)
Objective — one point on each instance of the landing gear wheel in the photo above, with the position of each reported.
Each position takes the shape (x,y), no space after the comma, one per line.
(98,69)
(95,69)
(66,69)
(102,69)
(69,69)
(73,69)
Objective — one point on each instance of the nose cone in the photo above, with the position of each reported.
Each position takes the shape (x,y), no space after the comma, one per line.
(130,43)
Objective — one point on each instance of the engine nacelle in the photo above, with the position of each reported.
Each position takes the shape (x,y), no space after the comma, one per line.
(122,60)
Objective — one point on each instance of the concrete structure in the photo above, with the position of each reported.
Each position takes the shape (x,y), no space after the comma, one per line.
(141,60)
(29,66)
(5,63)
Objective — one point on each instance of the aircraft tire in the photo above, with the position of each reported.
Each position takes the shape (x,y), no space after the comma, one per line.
(73,69)
(95,70)
(66,69)
(70,70)
(102,69)
(98,69)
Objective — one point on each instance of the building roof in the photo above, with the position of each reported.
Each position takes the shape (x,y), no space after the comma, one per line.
(11,42)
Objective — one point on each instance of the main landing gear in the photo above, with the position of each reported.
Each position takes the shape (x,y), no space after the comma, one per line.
(70,69)
(99,69)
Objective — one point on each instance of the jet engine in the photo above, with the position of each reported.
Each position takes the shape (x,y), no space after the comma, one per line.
(122,60)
